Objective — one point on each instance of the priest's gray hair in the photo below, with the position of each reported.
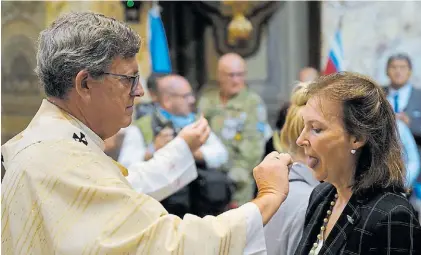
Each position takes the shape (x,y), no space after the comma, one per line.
(81,41)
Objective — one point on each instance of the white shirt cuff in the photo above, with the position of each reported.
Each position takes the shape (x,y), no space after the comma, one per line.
(171,168)
(214,152)
(255,236)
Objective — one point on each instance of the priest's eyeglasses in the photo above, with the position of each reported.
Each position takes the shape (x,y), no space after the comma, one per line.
(132,79)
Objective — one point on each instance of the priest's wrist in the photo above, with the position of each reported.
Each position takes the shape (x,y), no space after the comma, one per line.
(268,202)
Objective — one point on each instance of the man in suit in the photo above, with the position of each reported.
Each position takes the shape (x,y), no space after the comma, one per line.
(403,96)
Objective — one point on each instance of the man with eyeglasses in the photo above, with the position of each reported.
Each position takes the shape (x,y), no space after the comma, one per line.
(175,109)
(402,94)
(238,117)
(405,101)
(62,194)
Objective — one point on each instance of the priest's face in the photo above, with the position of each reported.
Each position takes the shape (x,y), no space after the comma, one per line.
(111,102)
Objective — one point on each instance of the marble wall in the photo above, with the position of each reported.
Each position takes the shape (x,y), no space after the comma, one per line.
(372,31)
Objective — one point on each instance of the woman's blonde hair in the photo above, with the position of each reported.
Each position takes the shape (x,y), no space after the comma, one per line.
(294,123)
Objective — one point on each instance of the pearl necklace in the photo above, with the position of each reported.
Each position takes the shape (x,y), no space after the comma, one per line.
(323,227)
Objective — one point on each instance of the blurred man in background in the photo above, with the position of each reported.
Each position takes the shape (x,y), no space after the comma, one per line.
(308,74)
(405,100)
(174,109)
(238,117)
(403,96)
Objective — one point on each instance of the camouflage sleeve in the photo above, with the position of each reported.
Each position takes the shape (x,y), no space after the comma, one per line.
(250,147)
(203,105)
(248,150)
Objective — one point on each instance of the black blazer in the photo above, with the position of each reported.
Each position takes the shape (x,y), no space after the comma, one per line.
(379,222)
(413,110)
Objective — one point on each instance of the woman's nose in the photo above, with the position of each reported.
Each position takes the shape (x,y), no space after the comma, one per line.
(301,141)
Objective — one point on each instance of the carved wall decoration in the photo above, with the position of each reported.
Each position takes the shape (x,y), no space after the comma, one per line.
(238,13)
(240,27)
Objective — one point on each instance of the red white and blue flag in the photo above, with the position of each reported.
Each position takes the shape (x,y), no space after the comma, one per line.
(335,59)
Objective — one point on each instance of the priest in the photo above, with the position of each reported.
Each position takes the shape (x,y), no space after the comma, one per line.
(61,194)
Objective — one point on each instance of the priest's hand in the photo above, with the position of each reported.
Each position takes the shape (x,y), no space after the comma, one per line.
(196,133)
(272,181)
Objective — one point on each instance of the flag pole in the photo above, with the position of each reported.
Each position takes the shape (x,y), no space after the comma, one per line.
(340,27)
(156,8)
(340,22)
(342,13)
(158,44)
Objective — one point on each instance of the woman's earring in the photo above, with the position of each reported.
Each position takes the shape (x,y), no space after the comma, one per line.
(353,151)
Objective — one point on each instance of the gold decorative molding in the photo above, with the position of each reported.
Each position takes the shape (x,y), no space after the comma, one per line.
(237,25)
(240,27)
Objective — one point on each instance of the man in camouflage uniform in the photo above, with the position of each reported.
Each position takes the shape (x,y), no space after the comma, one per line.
(238,117)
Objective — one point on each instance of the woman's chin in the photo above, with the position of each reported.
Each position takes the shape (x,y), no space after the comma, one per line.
(319,178)
(318,174)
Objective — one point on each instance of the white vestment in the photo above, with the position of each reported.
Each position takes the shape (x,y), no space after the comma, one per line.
(133,149)
(62,195)
(169,170)
(172,177)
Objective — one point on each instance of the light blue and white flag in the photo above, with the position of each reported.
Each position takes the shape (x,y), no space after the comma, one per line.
(158,45)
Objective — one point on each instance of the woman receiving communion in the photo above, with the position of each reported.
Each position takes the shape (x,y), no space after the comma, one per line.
(351,144)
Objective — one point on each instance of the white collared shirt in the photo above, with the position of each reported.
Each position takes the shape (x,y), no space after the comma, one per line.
(133,149)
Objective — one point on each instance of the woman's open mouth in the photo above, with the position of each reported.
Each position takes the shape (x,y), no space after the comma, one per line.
(312,161)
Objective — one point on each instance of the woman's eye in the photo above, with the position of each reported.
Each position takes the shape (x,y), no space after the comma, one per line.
(316,130)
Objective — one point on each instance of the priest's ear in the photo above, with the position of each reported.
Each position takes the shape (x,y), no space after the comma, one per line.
(83,86)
